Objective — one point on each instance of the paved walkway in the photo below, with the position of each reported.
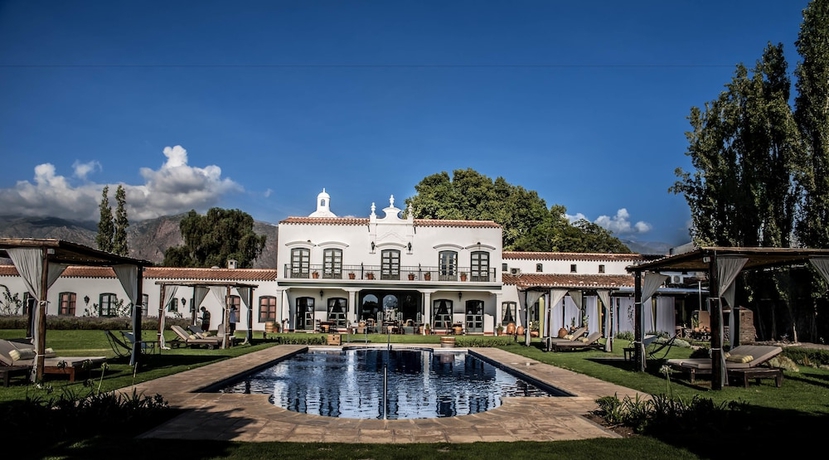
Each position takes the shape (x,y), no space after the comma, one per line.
(241,417)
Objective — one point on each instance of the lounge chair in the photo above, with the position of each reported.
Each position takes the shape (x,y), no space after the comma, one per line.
(196,330)
(20,354)
(192,341)
(738,359)
(591,341)
(576,335)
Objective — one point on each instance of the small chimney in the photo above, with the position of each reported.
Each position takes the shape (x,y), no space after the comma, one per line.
(231,264)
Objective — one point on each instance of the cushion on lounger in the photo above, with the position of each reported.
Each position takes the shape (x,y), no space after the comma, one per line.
(568,337)
(23,353)
(740,358)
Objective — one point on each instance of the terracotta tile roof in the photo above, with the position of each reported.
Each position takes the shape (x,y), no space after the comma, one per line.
(602,257)
(456,223)
(359,221)
(326,220)
(239,274)
(568,280)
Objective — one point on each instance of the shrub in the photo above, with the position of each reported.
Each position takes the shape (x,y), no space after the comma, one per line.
(625,335)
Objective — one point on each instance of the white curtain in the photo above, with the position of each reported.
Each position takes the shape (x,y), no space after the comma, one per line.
(651,284)
(199,293)
(244,294)
(822,266)
(604,296)
(530,298)
(665,315)
(592,307)
(578,299)
(727,270)
(169,293)
(29,264)
(128,276)
(555,300)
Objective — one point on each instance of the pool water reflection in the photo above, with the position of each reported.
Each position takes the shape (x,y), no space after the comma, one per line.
(349,384)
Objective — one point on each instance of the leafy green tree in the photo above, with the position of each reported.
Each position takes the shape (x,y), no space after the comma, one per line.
(106,227)
(743,147)
(527,223)
(212,239)
(812,115)
(119,240)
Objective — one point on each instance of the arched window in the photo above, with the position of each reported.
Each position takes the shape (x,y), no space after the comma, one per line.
(479,266)
(448,265)
(300,262)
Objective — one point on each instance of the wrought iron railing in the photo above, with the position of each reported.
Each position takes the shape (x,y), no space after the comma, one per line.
(384,273)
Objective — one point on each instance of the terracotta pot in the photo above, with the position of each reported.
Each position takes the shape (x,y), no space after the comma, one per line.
(351,276)
(519,330)
(427,276)
(411,277)
(510,328)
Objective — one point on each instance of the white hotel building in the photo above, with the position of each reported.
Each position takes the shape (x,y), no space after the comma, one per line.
(336,273)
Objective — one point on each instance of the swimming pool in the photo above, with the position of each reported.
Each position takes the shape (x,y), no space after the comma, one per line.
(349,383)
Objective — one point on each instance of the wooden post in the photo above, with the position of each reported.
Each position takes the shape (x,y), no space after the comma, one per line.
(716,338)
(638,346)
(226,318)
(40,319)
(160,316)
(136,319)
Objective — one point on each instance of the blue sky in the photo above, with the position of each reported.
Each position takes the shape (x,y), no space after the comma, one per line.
(259,105)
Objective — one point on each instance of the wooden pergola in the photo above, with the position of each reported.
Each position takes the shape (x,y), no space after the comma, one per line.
(722,265)
(228,285)
(41,261)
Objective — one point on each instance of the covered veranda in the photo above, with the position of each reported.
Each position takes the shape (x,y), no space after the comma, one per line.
(554,288)
(221,290)
(40,262)
(722,264)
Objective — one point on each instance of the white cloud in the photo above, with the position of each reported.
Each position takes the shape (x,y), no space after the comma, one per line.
(174,188)
(577,216)
(620,224)
(83,169)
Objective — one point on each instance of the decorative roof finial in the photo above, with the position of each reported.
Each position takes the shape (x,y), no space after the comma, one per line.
(391,201)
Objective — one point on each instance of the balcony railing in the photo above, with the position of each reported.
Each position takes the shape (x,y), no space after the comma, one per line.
(378,272)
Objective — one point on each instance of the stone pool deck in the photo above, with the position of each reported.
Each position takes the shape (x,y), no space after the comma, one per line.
(240,417)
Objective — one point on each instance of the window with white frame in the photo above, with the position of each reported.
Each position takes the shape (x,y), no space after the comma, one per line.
(448,265)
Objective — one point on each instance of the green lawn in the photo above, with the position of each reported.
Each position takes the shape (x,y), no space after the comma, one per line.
(792,416)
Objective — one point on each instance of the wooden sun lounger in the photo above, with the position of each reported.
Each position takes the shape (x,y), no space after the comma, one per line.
(578,344)
(761,354)
(183,337)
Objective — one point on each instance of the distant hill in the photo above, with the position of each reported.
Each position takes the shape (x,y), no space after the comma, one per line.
(147,239)
(648,248)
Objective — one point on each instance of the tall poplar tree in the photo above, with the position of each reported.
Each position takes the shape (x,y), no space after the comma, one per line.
(743,146)
(812,115)
(106,228)
(119,240)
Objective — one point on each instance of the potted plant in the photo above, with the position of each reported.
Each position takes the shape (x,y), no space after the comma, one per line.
(463,276)
(351,276)
(411,276)
(427,276)
(370,275)
(499,330)
(315,274)
(426,329)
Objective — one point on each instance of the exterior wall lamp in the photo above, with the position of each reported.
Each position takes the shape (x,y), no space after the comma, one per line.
(410,246)
(321,294)
(372,246)
(460,296)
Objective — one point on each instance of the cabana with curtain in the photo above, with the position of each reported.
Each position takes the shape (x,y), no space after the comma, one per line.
(40,262)
(722,264)
(220,290)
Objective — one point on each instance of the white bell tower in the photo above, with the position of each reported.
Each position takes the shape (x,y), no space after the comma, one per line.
(323,206)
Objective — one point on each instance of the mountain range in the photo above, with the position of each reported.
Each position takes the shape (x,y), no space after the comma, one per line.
(149,239)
